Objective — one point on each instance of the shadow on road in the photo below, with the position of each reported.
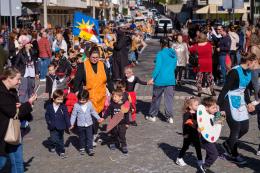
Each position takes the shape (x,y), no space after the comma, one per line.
(172,152)
(74,141)
(28,164)
(143,107)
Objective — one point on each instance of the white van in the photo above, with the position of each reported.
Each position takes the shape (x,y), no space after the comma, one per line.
(161,23)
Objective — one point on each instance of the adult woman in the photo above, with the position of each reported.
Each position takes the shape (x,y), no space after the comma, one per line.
(204,75)
(182,52)
(11,78)
(26,63)
(255,49)
(93,76)
(234,99)
(120,55)
(248,38)
(13,46)
(163,79)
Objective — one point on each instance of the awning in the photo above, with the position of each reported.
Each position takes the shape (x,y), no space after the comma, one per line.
(203,10)
(213,9)
(175,8)
(29,9)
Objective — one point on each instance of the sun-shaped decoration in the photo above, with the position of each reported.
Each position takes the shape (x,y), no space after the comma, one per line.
(86,27)
(86,30)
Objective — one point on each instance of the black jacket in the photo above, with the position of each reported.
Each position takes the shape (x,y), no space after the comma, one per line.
(115,108)
(120,55)
(22,59)
(57,120)
(8,110)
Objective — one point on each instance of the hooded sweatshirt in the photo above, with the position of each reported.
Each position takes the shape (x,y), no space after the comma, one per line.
(165,65)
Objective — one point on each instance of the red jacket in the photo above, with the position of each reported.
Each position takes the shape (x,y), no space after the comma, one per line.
(71,99)
(44,48)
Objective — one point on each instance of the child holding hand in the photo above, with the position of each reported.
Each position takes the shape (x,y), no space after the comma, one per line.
(83,111)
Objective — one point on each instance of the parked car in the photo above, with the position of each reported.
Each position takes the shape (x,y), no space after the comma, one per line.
(128,18)
(141,7)
(154,10)
(121,22)
(140,19)
(161,23)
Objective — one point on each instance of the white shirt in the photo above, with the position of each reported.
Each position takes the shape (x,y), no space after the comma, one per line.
(55,107)
(84,107)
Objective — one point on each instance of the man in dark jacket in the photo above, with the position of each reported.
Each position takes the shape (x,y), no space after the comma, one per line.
(223,48)
(3,55)
(120,55)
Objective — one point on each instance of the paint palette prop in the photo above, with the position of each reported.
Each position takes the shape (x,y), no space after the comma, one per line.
(209,129)
(118,117)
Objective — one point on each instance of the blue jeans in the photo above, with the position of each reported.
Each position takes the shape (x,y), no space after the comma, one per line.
(43,66)
(222,62)
(86,137)
(16,157)
(238,57)
(256,85)
(57,140)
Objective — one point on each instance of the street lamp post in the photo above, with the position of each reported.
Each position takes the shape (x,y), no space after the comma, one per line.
(45,14)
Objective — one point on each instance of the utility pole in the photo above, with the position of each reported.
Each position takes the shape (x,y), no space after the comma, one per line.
(252,10)
(233,11)
(11,16)
(45,22)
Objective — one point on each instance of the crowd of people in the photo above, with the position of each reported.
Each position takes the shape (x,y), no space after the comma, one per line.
(87,83)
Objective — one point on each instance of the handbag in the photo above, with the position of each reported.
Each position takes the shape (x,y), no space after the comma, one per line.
(13,133)
(194,59)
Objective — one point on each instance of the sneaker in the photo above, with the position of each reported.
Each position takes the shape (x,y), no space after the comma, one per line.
(201,169)
(94,144)
(124,150)
(133,123)
(112,146)
(180,162)
(82,151)
(226,148)
(153,119)
(91,152)
(147,117)
(258,153)
(239,160)
(52,150)
(170,120)
(63,155)
(42,80)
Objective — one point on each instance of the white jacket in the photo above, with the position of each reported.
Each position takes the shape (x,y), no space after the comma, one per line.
(234,40)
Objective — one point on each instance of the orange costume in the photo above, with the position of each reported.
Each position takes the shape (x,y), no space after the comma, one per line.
(96,84)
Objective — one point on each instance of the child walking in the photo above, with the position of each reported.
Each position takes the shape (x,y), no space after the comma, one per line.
(118,133)
(131,81)
(211,150)
(50,79)
(83,111)
(57,121)
(190,132)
